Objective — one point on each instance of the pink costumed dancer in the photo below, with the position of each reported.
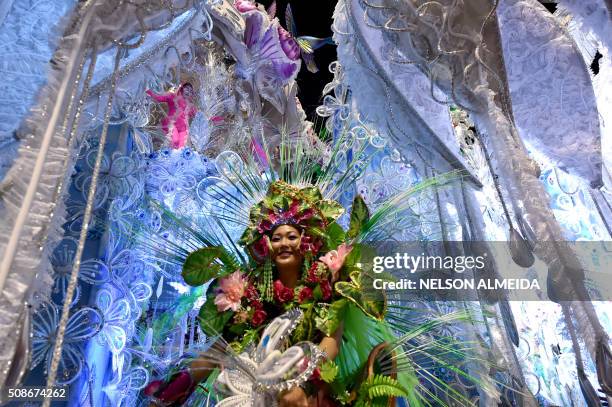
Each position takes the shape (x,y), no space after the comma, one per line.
(180,111)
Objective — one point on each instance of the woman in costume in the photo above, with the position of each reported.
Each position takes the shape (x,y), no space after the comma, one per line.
(181,109)
(295,324)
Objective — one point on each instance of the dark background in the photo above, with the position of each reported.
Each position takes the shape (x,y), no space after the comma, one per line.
(313,18)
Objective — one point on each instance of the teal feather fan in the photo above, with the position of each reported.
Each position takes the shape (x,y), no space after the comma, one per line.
(407,365)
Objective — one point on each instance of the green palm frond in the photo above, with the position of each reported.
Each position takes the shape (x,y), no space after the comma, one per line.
(424,348)
(381,386)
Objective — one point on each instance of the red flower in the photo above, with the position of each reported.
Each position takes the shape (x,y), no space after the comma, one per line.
(257,304)
(312,273)
(326,289)
(259,316)
(261,249)
(251,293)
(294,208)
(179,388)
(264,226)
(308,244)
(153,387)
(315,378)
(282,294)
(305,294)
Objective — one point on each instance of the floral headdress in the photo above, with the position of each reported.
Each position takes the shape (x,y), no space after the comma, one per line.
(286,204)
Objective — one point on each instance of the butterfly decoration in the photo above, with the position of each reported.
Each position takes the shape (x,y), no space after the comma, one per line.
(308,45)
(256,378)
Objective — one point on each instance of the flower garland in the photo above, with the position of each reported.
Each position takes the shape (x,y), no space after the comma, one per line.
(236,296)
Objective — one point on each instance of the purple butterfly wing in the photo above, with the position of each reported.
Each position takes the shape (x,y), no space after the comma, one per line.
(272,10)
(289,21)
(254,26)
(310,62)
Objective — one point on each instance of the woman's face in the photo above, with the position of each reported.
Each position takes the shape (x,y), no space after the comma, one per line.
(285,242)
(187,91)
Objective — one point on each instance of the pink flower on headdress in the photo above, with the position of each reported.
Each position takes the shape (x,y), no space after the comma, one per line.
(288,44)
(307,214)
(290,215)
(264,226)
(232,289)
(334,260)
(244,5)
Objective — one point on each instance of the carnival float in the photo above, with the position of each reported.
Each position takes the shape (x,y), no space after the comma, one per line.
(177,227)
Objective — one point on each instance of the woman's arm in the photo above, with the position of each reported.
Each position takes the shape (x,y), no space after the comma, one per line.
(331,344)
(296,397)
(201,368)
(159,98)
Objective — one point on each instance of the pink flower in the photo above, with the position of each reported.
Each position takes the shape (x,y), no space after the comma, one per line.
(264,226)
(334,260)
(231,291)
(288,44)
(244,5)
(307,214)
(294,208)
(305,294)
(259,316)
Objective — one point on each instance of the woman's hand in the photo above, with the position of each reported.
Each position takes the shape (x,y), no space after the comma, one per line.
(295,397)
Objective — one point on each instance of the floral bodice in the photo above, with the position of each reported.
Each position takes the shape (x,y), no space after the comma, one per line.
(235,301)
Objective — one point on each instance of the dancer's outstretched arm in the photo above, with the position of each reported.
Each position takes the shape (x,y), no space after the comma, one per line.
(167,97)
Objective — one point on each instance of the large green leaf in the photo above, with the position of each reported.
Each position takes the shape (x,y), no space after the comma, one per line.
(335,236)
(331,210)
(330,318)
(202,266)
(211,320)
(360,214)
(360,291)
(328,371)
